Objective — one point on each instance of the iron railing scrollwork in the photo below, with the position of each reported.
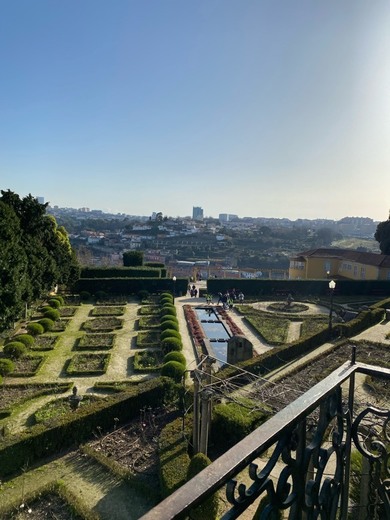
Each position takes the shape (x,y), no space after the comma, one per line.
(299,460)
(371,436)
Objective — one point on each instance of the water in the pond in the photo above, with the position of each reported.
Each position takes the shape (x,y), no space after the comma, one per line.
(215,332)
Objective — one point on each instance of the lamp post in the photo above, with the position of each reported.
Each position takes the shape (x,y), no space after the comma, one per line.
(174,288)
(332,285)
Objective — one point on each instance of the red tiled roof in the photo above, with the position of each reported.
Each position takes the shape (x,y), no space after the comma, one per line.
(347,254)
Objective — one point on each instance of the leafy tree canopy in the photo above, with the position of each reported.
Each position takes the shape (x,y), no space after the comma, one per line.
(35,254)
(382,235)
(133,258)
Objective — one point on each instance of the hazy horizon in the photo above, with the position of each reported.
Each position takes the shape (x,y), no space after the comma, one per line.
(253,107)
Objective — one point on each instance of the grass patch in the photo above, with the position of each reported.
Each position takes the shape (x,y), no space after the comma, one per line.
(313,326)
(60,407)
(273,329)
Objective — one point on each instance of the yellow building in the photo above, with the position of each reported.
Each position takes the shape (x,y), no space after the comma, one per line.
(339,264)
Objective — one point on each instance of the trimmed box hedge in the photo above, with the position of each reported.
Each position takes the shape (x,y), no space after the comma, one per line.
(28,447)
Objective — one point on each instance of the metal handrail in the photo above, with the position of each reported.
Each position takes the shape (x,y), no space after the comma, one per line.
(285,429)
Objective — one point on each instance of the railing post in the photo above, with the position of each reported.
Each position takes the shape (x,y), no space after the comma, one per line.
(205,421)
(348,439)
(196,416)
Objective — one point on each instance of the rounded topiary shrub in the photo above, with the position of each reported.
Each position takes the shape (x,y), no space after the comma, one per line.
(60,299)
(166,301)
(174,370)
(14,349)
(168,311)
(35,328)
(101,295)
(166,296)
(6,366)
(52,314)
(46,323)
(171,344)
(168,317)
(175,356)
(208,510)
(143,294)
(170,333)
(169,324)
(84,296)
(26,339)
(46,308)
(53,302)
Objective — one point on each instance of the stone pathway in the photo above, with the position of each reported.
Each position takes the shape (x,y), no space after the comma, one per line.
(111,497)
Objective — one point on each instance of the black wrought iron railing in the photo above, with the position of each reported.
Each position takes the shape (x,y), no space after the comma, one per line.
(300,461)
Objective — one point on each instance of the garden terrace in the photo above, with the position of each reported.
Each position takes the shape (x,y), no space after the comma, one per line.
(315,474)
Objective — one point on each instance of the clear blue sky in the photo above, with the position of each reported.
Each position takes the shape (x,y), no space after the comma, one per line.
(275,108)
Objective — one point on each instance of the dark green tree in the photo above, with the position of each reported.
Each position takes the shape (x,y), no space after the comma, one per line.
(133,258)
(382,235)
(13,267)
(35,254)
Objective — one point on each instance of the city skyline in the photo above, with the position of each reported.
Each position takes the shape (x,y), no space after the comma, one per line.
(256,108)
(221,216)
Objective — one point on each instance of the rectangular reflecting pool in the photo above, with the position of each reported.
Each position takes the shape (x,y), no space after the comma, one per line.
(215,332)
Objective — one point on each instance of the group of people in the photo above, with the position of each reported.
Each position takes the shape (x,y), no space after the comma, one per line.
(229,298)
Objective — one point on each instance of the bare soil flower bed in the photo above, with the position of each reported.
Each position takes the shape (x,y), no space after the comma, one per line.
(95,341)
(60,325)
(147,310)
(83,364)
(27,366)
(135,446)
(45,342)
(107,311)
(149,322)
(67,312)
(15,394)
(102,324)
(148,338)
